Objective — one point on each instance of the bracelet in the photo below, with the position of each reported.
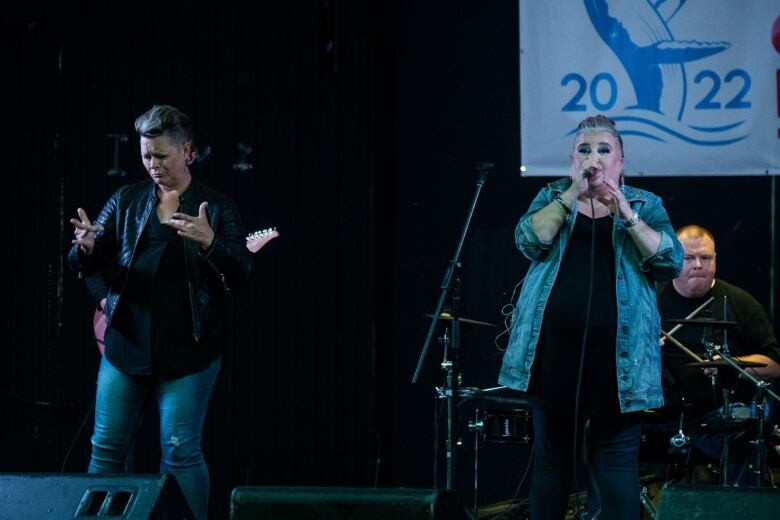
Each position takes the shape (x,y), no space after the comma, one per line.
(558,200)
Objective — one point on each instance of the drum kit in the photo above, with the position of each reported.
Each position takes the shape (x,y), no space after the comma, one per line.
(733,420)
(503,416)
(499,421)
(739,418)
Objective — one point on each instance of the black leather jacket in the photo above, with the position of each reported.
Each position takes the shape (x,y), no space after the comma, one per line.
(227,264)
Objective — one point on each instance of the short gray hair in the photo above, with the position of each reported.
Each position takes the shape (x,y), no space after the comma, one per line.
(166,120)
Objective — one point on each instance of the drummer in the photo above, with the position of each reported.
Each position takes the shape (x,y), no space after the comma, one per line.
(750,339)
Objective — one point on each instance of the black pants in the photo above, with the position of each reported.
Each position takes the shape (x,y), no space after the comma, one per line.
(611,448)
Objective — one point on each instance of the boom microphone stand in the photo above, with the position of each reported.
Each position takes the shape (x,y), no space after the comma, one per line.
(452,366)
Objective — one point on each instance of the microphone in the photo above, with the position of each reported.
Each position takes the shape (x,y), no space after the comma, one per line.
(587,174)
(483,169)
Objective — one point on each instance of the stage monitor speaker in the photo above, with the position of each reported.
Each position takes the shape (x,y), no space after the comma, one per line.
(693,502)
(91,496)
(322,503)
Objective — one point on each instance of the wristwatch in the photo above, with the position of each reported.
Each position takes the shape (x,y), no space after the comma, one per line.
(633,221)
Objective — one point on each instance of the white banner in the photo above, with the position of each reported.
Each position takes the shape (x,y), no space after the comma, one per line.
(693,85)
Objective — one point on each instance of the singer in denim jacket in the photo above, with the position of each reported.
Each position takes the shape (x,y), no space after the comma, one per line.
(584,335)
(638,355)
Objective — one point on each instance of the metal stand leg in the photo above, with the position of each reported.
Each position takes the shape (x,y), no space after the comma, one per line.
(647,503)
(761,408)
(724,458)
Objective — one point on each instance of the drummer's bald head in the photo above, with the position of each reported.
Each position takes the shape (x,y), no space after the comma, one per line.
(697,275)
(692,231)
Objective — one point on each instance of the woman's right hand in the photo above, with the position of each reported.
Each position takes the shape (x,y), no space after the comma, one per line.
(579,182)
(84,232)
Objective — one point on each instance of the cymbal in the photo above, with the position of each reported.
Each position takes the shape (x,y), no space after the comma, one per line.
(706,322)
(446,316)
(724,363)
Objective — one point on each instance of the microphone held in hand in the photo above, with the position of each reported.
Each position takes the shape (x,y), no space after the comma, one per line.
(587,174)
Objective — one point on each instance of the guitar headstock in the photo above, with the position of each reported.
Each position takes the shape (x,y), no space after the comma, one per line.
(255,241)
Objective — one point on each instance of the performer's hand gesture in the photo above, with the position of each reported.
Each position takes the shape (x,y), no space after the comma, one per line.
(194,228)
(84,232)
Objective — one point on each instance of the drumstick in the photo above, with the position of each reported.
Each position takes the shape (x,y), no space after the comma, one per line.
(681,346)
(696,311)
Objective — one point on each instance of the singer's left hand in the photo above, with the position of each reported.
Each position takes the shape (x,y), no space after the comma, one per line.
(610,194)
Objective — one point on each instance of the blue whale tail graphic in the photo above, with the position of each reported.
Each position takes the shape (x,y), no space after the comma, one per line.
(638,34)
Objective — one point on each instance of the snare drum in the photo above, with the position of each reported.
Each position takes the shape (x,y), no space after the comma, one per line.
(507,426)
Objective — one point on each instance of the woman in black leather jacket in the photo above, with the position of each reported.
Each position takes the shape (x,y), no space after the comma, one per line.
(177,247)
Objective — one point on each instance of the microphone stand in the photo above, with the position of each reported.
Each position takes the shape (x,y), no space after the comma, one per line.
(452,366)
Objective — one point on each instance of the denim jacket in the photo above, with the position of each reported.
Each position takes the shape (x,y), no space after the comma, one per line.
(637,351)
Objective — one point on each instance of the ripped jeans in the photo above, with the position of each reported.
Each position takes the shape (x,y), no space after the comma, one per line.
(119,405)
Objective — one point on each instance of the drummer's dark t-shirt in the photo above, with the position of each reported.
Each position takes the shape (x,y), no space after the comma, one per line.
(753,334)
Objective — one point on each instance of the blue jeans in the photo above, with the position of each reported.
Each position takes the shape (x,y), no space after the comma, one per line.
(612,448)
(182,402)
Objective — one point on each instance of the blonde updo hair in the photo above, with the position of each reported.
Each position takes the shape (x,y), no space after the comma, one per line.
(599,123)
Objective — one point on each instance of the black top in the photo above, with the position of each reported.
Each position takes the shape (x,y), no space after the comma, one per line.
(753,335)
(556,366)
(151,331)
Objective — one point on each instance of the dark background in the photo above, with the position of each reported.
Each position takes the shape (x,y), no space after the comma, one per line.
(366,120)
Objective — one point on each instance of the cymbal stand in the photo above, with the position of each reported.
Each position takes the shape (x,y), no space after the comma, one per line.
(448,286)
(762,390)
(758,442)
(726,409)
(725,416)
(452,389)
